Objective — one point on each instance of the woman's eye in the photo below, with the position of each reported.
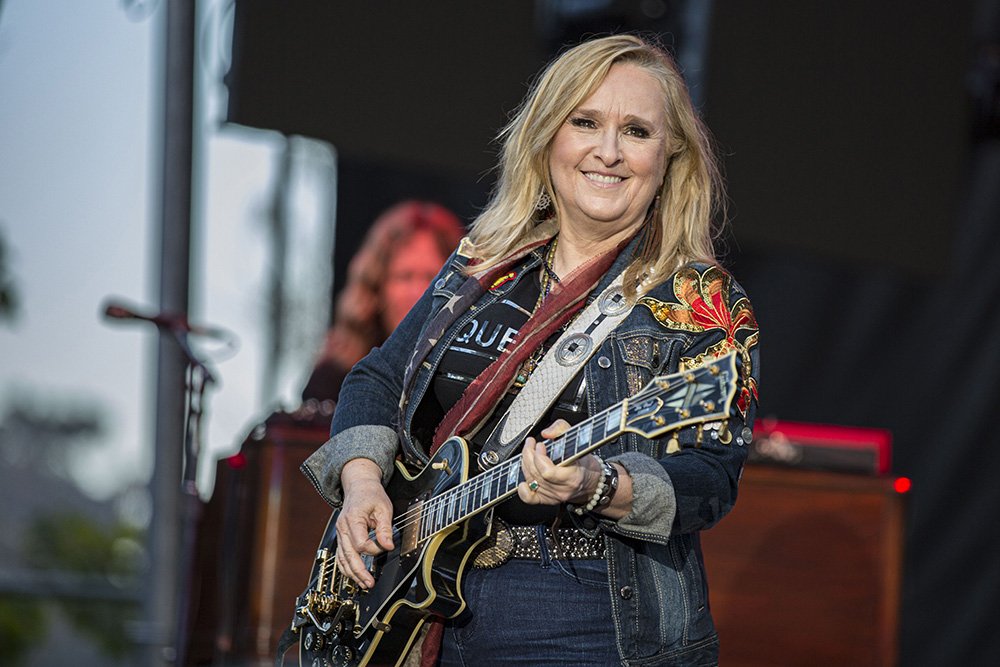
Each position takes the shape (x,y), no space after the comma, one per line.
(638,132)
(579,121)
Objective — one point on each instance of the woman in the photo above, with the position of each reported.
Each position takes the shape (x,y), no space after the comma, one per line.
(397,260)
(606,174)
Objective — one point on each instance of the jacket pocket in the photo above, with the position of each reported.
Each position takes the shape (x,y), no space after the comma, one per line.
(645,354)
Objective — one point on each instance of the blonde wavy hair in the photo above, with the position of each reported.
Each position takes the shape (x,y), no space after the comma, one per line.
(679,228)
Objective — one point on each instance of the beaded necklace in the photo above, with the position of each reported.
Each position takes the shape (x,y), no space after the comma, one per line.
(547,277)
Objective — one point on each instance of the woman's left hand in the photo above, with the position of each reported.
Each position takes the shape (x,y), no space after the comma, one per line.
(555,484)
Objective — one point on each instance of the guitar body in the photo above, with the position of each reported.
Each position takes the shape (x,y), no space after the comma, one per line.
(412,582)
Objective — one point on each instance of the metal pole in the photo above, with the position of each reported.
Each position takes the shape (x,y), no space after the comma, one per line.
(161,598)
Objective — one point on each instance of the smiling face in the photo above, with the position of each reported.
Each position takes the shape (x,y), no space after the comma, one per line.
(608,159)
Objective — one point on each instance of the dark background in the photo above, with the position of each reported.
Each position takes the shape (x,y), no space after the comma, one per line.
(862,155)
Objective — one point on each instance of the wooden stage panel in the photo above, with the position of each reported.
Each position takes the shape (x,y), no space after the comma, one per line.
(290,518)
(257,541)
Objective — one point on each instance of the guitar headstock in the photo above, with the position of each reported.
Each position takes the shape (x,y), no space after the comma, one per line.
(670,402)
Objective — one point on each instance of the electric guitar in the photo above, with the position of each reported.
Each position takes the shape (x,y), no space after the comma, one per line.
(442,514)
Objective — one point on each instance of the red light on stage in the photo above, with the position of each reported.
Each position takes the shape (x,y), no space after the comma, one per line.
(237,460)
(902,484)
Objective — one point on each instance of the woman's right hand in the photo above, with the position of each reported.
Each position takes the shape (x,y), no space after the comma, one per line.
(366,507)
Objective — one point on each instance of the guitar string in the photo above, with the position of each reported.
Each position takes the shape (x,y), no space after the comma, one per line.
(478,483)
(475,486)
(445,502)
(504,470)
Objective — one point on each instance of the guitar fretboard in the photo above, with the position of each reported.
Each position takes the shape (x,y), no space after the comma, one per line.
(665,404)
(500,482)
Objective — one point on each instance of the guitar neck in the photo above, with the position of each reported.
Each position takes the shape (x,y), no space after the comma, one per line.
(666,403)
(500,482)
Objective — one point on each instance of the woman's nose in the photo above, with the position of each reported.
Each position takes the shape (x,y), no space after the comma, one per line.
(608,147)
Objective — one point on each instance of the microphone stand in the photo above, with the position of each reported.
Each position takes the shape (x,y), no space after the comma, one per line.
(199,378)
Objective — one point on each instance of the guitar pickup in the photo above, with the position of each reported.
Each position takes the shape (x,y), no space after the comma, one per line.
(408,538)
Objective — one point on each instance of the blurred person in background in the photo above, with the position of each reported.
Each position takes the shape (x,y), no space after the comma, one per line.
(399,256)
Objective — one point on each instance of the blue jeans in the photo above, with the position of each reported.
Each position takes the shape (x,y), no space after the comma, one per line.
(532,613)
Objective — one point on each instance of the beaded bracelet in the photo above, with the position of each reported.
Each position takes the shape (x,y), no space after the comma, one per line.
(611,486)
(605,490)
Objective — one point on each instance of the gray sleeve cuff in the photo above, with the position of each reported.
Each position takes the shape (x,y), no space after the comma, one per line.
(378,443)
(653,502)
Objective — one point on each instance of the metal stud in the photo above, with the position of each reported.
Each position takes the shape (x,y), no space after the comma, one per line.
(574,348)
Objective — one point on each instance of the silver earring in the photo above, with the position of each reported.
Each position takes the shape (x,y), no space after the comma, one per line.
(544,201)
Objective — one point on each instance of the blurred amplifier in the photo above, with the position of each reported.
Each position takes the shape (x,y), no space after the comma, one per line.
(821,447)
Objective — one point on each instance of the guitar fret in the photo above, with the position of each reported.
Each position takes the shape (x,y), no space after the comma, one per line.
(597,431)
(558,449)
(450,510)
(613,421)
(488,488)
(484,491)
(433,525)
(438,515)
(471,504)
(583,435)
(496,486)
(512,476)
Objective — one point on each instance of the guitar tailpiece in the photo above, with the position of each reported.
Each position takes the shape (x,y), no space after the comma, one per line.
(322,627)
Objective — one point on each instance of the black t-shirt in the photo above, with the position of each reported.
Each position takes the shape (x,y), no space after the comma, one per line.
(478,345)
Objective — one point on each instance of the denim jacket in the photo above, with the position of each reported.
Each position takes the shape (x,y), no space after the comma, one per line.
(656,575)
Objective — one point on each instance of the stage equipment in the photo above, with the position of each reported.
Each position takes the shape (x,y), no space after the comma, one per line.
(822,447)
(256,540)
(807,569)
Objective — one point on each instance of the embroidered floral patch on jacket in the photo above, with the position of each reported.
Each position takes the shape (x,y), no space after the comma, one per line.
(703,305)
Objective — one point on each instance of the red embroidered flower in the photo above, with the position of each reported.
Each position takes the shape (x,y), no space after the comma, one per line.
(703,305)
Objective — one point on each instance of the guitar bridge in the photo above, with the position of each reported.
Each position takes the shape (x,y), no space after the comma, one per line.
(330,604)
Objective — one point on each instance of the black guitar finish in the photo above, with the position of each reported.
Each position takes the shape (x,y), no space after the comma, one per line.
(439,519)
